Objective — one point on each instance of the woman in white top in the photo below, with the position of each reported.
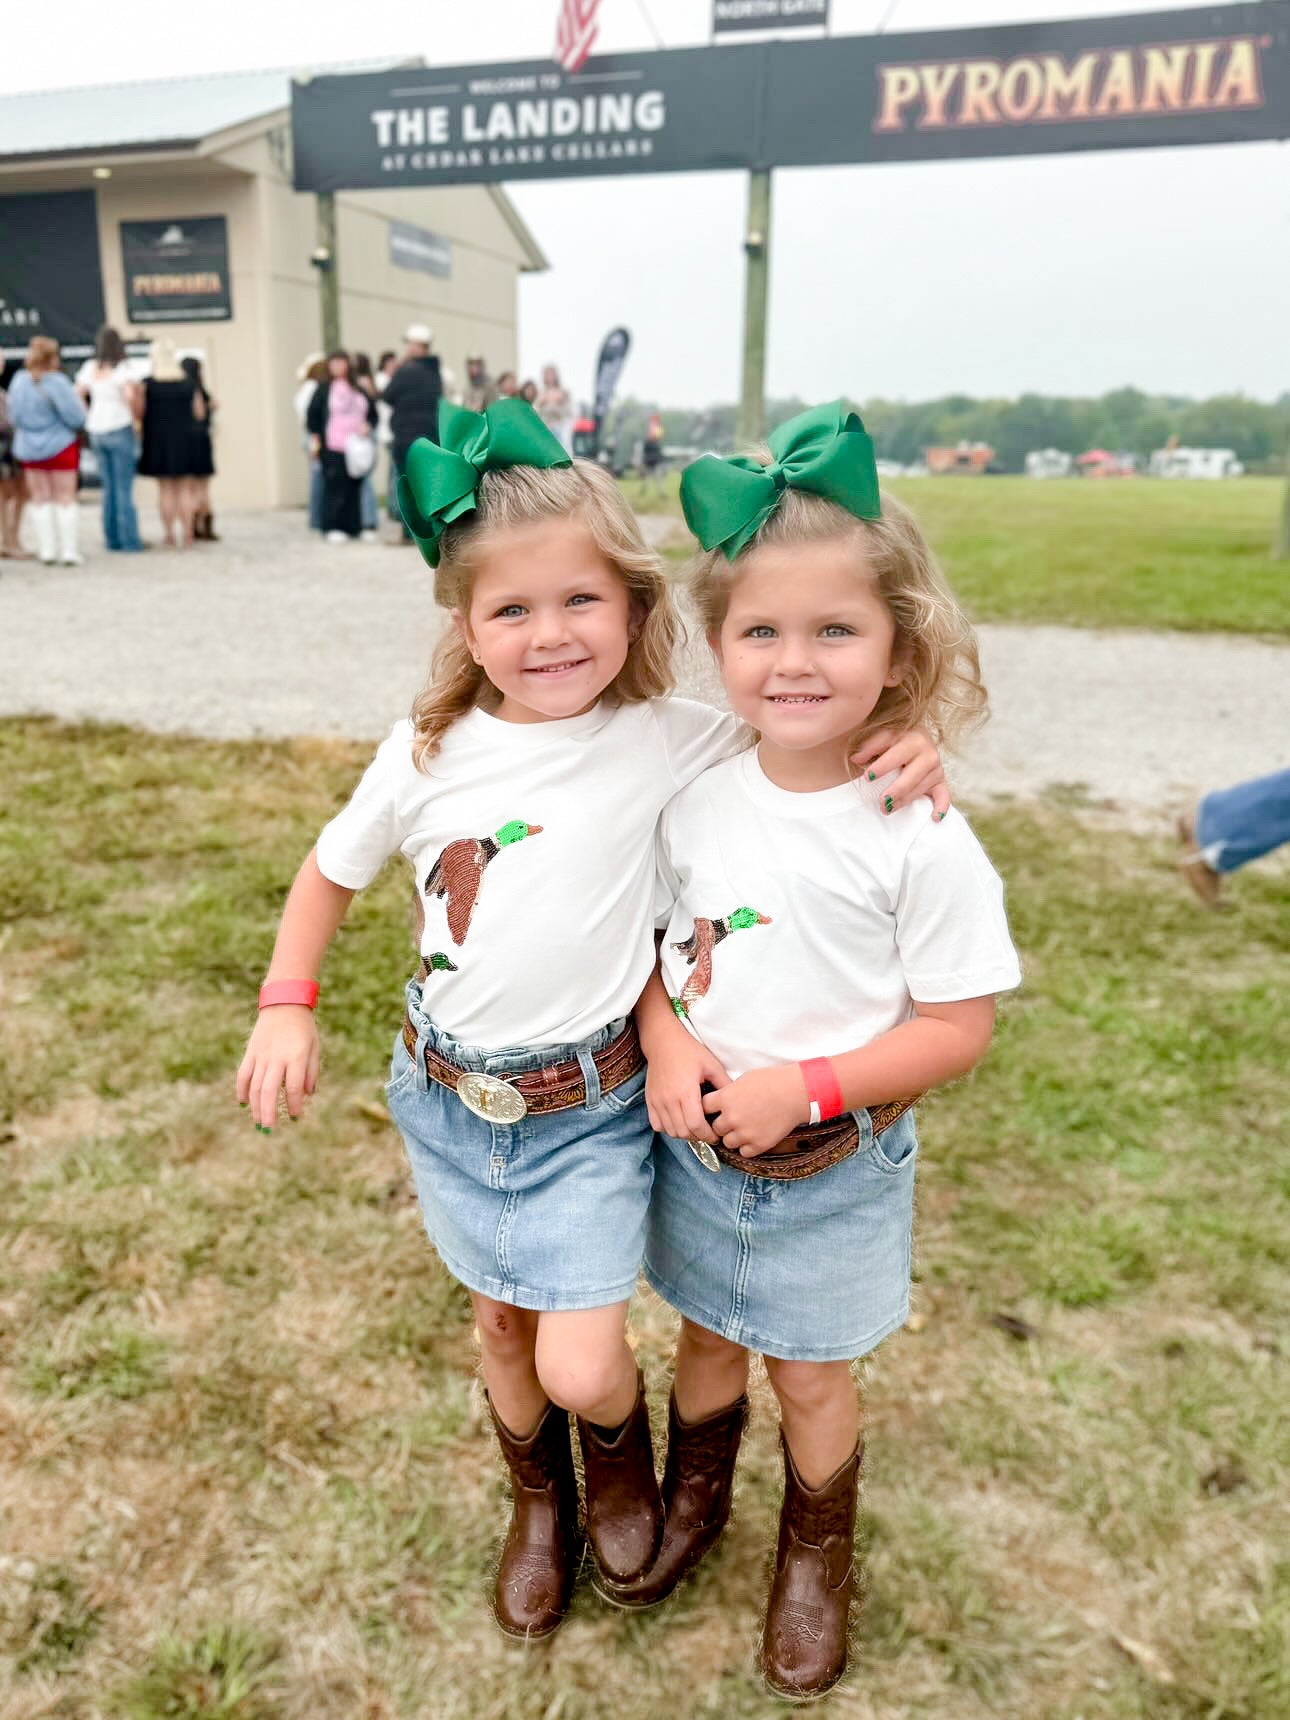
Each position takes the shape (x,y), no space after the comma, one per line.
(114,400)
(555,404)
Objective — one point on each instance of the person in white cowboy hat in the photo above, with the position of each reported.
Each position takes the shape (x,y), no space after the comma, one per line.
(413,394)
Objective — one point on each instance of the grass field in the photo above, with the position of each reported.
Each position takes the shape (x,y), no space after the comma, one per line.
(1131,553)
(242,1471)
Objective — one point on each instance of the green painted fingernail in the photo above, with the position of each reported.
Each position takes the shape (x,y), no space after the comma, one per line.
(872,777)
(886,803)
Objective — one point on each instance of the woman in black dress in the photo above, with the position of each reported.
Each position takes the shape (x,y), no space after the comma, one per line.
(203,453)
(171,410)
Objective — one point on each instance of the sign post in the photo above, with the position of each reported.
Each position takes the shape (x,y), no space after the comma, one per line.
(328,273)
(752,397)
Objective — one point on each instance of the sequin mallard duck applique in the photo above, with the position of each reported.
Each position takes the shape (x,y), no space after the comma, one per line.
(459,870)
(698,947)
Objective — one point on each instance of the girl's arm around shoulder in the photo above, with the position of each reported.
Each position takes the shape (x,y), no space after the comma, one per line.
(284,1052)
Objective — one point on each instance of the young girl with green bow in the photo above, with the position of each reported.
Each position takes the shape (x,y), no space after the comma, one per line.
(524,791)
(834,955)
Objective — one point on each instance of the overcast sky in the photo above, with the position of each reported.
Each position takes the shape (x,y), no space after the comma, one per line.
(1166,268)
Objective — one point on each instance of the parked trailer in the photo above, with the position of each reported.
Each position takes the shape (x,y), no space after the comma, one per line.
(1195,463)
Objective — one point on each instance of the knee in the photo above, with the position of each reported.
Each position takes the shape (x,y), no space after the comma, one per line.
(709,1347)
(578,1380)
(809,1387)
(506,1335)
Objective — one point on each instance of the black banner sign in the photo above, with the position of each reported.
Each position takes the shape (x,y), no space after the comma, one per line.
(50,282)
(609,367)
(729,16)
(1210,74)
(176,271)
(417,248)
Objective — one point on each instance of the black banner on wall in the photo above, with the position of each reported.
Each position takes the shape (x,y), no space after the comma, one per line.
(1211,74)
(729,16)
(50,282)
(176,271)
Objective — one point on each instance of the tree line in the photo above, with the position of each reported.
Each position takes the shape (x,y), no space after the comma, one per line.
(1125,420)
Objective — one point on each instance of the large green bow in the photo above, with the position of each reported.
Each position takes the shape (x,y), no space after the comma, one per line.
(440,480)
(826,451)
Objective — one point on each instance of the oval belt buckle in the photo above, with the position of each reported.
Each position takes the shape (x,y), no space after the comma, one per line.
(493,1100)
(705,1155)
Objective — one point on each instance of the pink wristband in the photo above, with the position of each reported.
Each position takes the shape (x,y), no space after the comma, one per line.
(822,1089)
(289,991)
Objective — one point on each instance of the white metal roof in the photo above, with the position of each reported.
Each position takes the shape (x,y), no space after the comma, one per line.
(133,115)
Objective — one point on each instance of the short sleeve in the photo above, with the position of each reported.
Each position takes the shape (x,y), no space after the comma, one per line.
(85,375)
(354,846)
(951,929)
(667,884)
(694,736)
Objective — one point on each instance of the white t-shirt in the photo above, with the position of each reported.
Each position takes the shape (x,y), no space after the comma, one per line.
(108,410)
(544,838)
(808,922)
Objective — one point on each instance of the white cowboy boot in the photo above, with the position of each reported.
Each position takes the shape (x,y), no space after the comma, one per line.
(42,520)
(68,521)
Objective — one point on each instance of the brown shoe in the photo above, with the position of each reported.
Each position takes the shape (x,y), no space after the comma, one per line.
(1204,880)
(543,1548)
(697,1482)
(804,1644)
(624,1510)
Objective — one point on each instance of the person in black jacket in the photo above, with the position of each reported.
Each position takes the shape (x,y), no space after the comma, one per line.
(413,394)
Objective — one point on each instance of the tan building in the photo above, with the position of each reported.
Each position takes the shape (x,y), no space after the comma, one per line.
(176,152)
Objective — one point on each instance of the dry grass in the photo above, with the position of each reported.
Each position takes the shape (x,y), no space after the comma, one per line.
(242,1468)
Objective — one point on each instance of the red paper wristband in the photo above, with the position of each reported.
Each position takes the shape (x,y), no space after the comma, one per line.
(822,1087)
(289,991)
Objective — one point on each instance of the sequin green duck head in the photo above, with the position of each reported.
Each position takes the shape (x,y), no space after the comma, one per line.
(515,831)
(742,918)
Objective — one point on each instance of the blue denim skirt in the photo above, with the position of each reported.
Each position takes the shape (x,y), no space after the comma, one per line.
(547,1213)
(809,1271)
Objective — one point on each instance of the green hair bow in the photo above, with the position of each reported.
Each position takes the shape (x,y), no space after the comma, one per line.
(825,451)
(440,480)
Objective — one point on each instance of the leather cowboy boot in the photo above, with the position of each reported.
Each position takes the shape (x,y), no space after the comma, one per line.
(697,1482)
(624,1510)
(542,1551)
(804,1644)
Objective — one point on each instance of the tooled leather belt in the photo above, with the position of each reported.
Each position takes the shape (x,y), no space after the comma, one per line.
(556,1086)
(813,1147)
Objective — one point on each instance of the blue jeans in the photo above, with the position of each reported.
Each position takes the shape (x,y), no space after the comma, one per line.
(1237,825)
(315,494)
(117,457)
(367,504)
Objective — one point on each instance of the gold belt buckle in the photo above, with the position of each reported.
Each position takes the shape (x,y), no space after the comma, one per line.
(488,1097)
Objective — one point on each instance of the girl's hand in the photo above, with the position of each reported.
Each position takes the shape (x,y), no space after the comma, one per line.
(675,1073)
(914,754)
(755,1112)
(283,1054)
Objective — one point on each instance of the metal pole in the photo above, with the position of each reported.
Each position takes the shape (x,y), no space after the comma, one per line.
(752,400)
(1281,548)
(326,262)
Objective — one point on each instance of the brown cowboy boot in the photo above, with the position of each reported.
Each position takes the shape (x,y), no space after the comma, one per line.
(624,1510)
(697,1482)
(542,1551)
(804,1644)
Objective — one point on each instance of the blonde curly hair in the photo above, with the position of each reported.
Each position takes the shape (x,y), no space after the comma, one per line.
(940,688)
(521,496)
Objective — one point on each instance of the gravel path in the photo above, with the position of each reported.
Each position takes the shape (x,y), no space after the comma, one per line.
(274,633)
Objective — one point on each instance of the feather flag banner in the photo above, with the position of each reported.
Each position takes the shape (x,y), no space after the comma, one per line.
(575,34)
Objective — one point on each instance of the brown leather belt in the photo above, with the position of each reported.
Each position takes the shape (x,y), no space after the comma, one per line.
(813,1147)
(555,1087)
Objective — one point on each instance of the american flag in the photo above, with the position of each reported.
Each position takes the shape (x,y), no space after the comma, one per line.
(575,34)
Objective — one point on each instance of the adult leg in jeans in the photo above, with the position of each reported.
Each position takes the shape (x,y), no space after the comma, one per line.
(118,458)
(1237,825)
(104,453)
(367,503)
(315,494)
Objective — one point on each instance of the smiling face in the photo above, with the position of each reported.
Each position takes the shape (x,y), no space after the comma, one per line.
(549,620)
(806,649)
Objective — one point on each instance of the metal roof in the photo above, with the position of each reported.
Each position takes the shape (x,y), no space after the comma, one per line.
(134,115)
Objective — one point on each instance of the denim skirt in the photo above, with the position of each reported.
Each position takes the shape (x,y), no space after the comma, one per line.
(810,1271)
(547,1213)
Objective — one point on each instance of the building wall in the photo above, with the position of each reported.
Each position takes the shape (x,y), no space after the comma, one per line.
(252,360)
(233,350)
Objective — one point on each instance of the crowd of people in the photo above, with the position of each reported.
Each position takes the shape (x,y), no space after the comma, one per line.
(153,419)
(349,412)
